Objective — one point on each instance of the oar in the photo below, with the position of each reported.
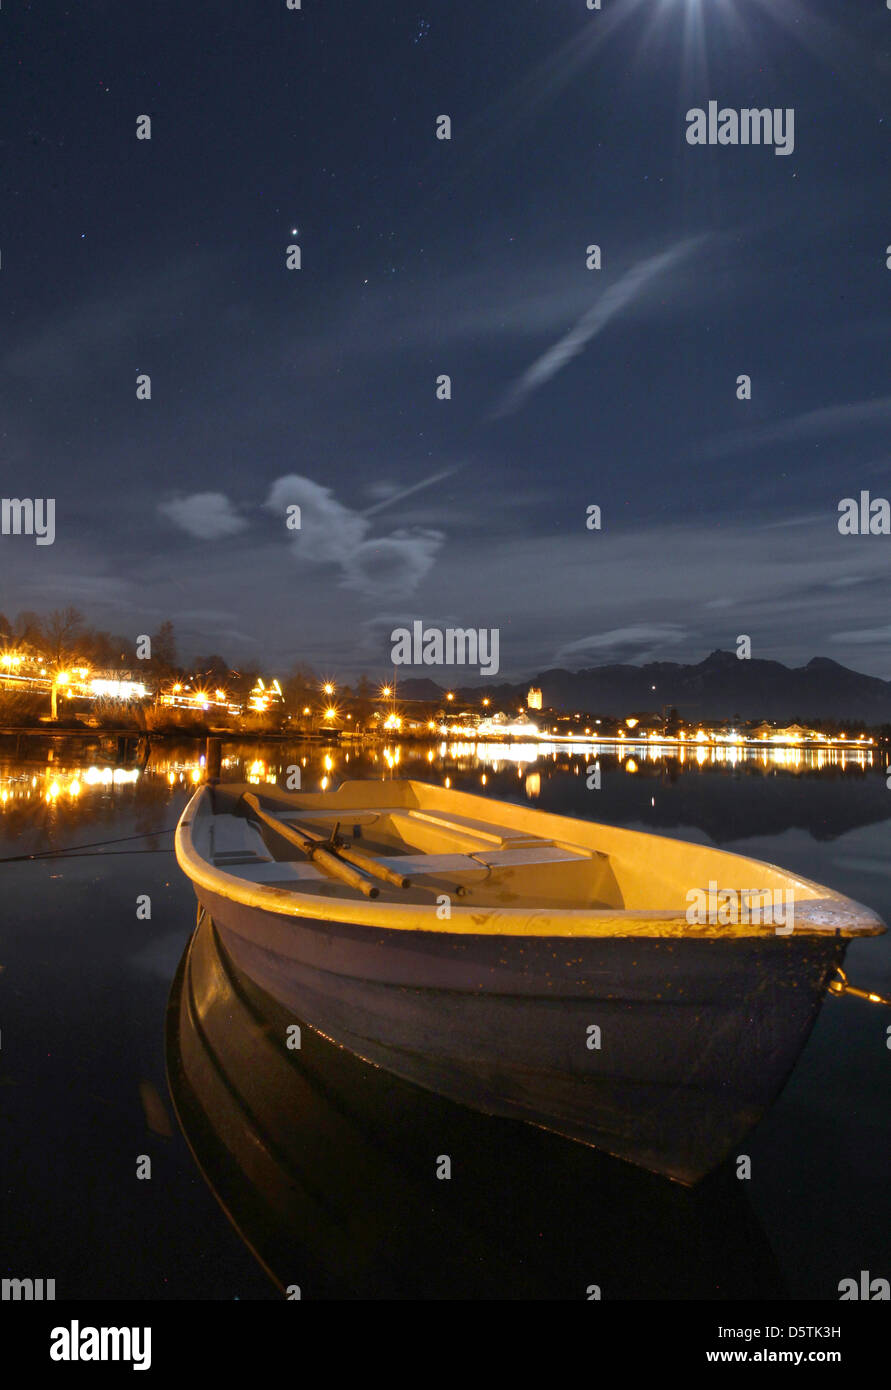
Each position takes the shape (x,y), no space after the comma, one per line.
(364,861)
(370,864)
(314,849)
(374,866)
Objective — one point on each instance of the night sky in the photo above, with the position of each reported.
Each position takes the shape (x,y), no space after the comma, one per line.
(570,387)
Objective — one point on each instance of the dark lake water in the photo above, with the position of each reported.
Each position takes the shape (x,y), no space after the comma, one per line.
(83,1090)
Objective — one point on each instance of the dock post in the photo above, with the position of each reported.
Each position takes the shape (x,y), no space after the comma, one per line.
(213,760)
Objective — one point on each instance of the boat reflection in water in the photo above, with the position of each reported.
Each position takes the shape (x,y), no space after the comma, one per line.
(327,1166)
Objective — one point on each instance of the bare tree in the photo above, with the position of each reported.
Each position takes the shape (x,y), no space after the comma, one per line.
(62,635)
(164,657)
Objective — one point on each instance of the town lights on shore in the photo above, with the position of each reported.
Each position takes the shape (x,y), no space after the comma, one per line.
(328,688)
(386,692)
(118,690)
(330,712)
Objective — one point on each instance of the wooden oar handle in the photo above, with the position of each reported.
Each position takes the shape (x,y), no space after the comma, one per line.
(372,866)
(312,848)
(338,869)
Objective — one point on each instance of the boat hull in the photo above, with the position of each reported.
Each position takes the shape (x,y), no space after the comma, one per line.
(661,1051)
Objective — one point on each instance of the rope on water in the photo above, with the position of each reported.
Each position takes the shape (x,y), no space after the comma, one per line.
(93,844)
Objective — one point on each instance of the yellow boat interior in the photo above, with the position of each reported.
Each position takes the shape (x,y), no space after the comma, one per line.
(427,840)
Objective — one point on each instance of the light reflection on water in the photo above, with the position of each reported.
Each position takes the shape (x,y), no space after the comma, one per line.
(53,774)
(53,790)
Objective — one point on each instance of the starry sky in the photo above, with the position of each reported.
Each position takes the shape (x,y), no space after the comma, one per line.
(570,387)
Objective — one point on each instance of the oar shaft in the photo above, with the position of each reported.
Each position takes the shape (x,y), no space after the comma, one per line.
(327,861)
(372,866)
(338,869)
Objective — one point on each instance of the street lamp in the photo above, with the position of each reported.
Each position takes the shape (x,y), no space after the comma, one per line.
(60,678)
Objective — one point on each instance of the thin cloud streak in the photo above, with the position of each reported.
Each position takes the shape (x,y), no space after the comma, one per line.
(610,303)
(408,491)
(812,424)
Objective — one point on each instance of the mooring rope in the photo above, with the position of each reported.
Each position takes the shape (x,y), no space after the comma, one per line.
(93,844)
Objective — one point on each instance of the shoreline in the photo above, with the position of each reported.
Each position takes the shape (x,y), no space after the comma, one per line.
(875,741)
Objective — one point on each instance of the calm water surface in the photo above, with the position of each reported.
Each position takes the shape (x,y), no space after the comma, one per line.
(85,985)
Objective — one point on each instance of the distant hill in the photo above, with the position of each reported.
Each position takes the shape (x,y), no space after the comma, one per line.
(720,687)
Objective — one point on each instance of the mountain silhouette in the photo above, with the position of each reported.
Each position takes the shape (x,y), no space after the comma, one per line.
(720,687)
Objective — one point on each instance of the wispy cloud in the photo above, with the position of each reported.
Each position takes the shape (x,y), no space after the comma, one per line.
(332,533)
(610,303)
(208,516)
(122,315)
(637,643)
(811,424)
(865,635)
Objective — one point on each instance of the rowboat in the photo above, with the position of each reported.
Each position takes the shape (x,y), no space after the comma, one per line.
(522,963)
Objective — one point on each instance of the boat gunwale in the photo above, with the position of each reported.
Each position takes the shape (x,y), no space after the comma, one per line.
(585,923)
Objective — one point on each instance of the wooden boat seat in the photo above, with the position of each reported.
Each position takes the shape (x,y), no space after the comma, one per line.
(542,852)
(233,840)
(424,830)
(475,832)
(483,830)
